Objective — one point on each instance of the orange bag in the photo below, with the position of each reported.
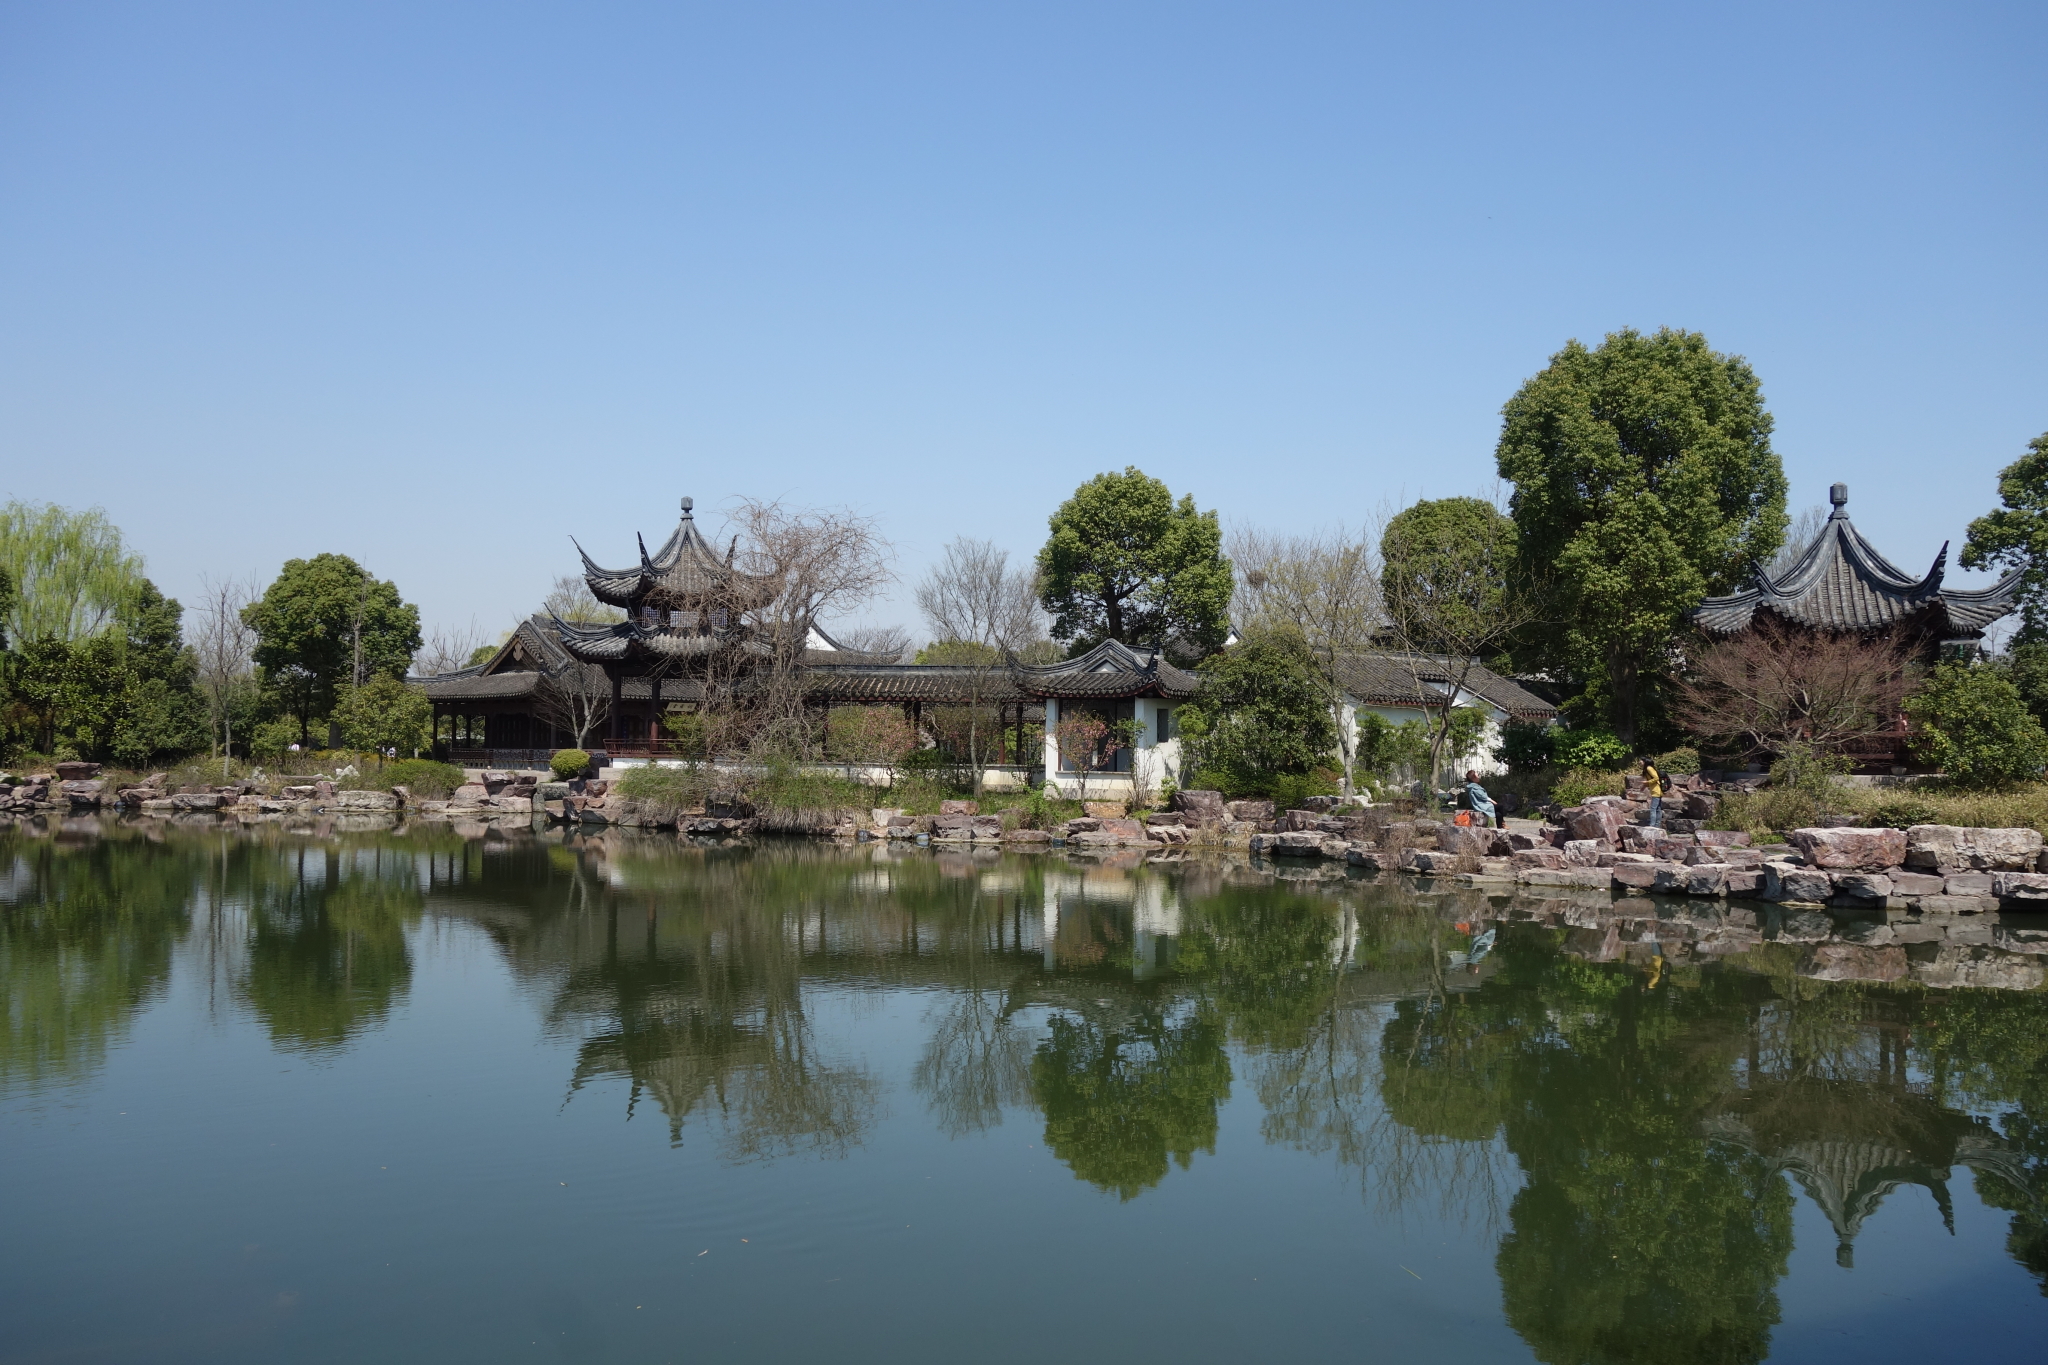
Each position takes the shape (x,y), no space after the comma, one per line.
(1463,817)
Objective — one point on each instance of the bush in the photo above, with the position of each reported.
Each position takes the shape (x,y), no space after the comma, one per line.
(680,787)
(568,763)
(1527,746)
(426,779)
(1594,747)
(1973,724)
(1579,783)
(1902,812)
(1678,761)
(1291,791)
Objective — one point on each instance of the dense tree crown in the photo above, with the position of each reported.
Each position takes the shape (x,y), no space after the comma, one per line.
(1126,562)
(1447,567)
(2016,536)
(1644,481)
(72,574)
(326,623)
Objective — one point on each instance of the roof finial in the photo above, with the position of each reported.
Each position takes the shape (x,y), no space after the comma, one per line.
(688,503)
(1839,496)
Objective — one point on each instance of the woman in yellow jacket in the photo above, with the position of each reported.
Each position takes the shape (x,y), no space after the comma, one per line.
(1653,783)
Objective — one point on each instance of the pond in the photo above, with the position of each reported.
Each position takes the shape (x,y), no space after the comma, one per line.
(313,1095)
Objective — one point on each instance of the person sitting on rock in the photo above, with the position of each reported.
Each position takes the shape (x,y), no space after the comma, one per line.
(1480,802)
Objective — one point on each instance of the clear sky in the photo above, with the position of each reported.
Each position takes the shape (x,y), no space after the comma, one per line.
(439,285)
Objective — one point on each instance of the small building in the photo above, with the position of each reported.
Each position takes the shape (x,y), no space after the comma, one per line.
(1840,583)
(1402,687)
(1112,685)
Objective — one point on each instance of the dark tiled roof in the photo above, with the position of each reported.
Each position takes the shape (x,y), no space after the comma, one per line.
(479,686)
(1110,669)
(1397,679)
(685,568)
(1842,583)
(907,682)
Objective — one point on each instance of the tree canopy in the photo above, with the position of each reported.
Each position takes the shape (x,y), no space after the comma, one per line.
(1126,562)
(2015,536)
(326,623)
(1260,713)
(71,572)
(1644,481)
(1447,566)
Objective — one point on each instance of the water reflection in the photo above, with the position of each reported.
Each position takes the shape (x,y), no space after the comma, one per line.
(1631,1094)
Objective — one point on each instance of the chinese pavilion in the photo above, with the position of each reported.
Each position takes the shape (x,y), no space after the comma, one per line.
(1842,584)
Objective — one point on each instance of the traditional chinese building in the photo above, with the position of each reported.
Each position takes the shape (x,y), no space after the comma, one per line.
(1842,584)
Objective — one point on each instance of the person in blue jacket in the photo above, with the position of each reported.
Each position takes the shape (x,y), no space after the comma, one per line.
(1481,803)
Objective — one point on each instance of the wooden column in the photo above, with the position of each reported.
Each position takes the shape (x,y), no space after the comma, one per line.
(618,704)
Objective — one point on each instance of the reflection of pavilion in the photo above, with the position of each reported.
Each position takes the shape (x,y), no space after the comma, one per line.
(1849,1144)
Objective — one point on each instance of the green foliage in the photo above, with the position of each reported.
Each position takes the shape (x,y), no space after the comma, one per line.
(1803,792)
(1291,791)
(1644,481)
(1387,750)
(426,778)
(568,763)
(321,621)
(1126,562)
(2016,536)
(1972,723)
(2025,666)
(1259,714)
(1527,746)
(690,731)
(1446,570)
(1579,783)
(683,786)
(273,738)
(71,574)
(482,654)
(1596,747)
(1902,812)
(1686,760)
(126,695)
(385,714)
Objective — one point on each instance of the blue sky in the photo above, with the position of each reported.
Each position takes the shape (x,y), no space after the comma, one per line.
(439,285)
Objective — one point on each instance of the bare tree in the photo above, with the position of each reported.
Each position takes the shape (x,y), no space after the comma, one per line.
(1323,588)
(449,649)
(974,602)
(1798,536)
(571,600)
(825,564)
(224,642)
(576,697)
(1775,685)
(889,642)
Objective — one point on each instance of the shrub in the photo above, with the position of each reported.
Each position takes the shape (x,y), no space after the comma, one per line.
(1290,791)
(1594,747)
(1902,812)
(682,787)
(1973,724)
(423,777)
(1579,783)
(1527,746)
(568,763)
(1685,760)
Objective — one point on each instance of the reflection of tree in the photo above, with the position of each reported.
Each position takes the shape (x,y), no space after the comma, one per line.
(1123,1095)
(703,1011)
(327,951)
(86,935)
(1635,1238)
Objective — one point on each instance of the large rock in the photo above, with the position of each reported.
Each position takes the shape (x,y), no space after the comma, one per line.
(1591,821)
(1203,808)
(1706,879)
(1862,886)
(1293,821)
(1124,829)
(469,794)
(1962,848)
(366,801)
(1851,849)
(74,771)
(1966,884)
(1585,878)
(198,801)
(1585,852)
(1906,883)
(1724,838)
(1464,839)
(84,792)
(1783,882)
(1523,858)
(1640,876)
(2020,886)
(1251,811)
(1700,805)
(1371,859)
(885,816)
(970,808)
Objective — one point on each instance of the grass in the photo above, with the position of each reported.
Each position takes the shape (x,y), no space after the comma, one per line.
(1774,810)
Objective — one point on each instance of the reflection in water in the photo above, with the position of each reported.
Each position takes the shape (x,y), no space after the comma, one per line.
(1632,1094)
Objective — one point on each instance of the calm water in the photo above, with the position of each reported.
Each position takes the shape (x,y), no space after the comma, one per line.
(416,1097)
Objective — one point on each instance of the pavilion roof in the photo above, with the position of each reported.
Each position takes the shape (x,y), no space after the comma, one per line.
(1841,583)
(1395,678)
(684,569)
(1111,669)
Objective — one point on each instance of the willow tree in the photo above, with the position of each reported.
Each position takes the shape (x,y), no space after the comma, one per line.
(1644,482)
(72,573)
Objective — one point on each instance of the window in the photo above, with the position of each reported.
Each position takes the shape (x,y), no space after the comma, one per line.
(1165,724)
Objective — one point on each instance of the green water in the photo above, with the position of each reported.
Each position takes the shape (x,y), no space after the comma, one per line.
(320,1096)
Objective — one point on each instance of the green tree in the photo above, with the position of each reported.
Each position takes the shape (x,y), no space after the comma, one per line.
(386,714)
(326,623)
(1644,481)
(1259,714)
(2016,536)
(1126,562)
(71,572)
(1972,723)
